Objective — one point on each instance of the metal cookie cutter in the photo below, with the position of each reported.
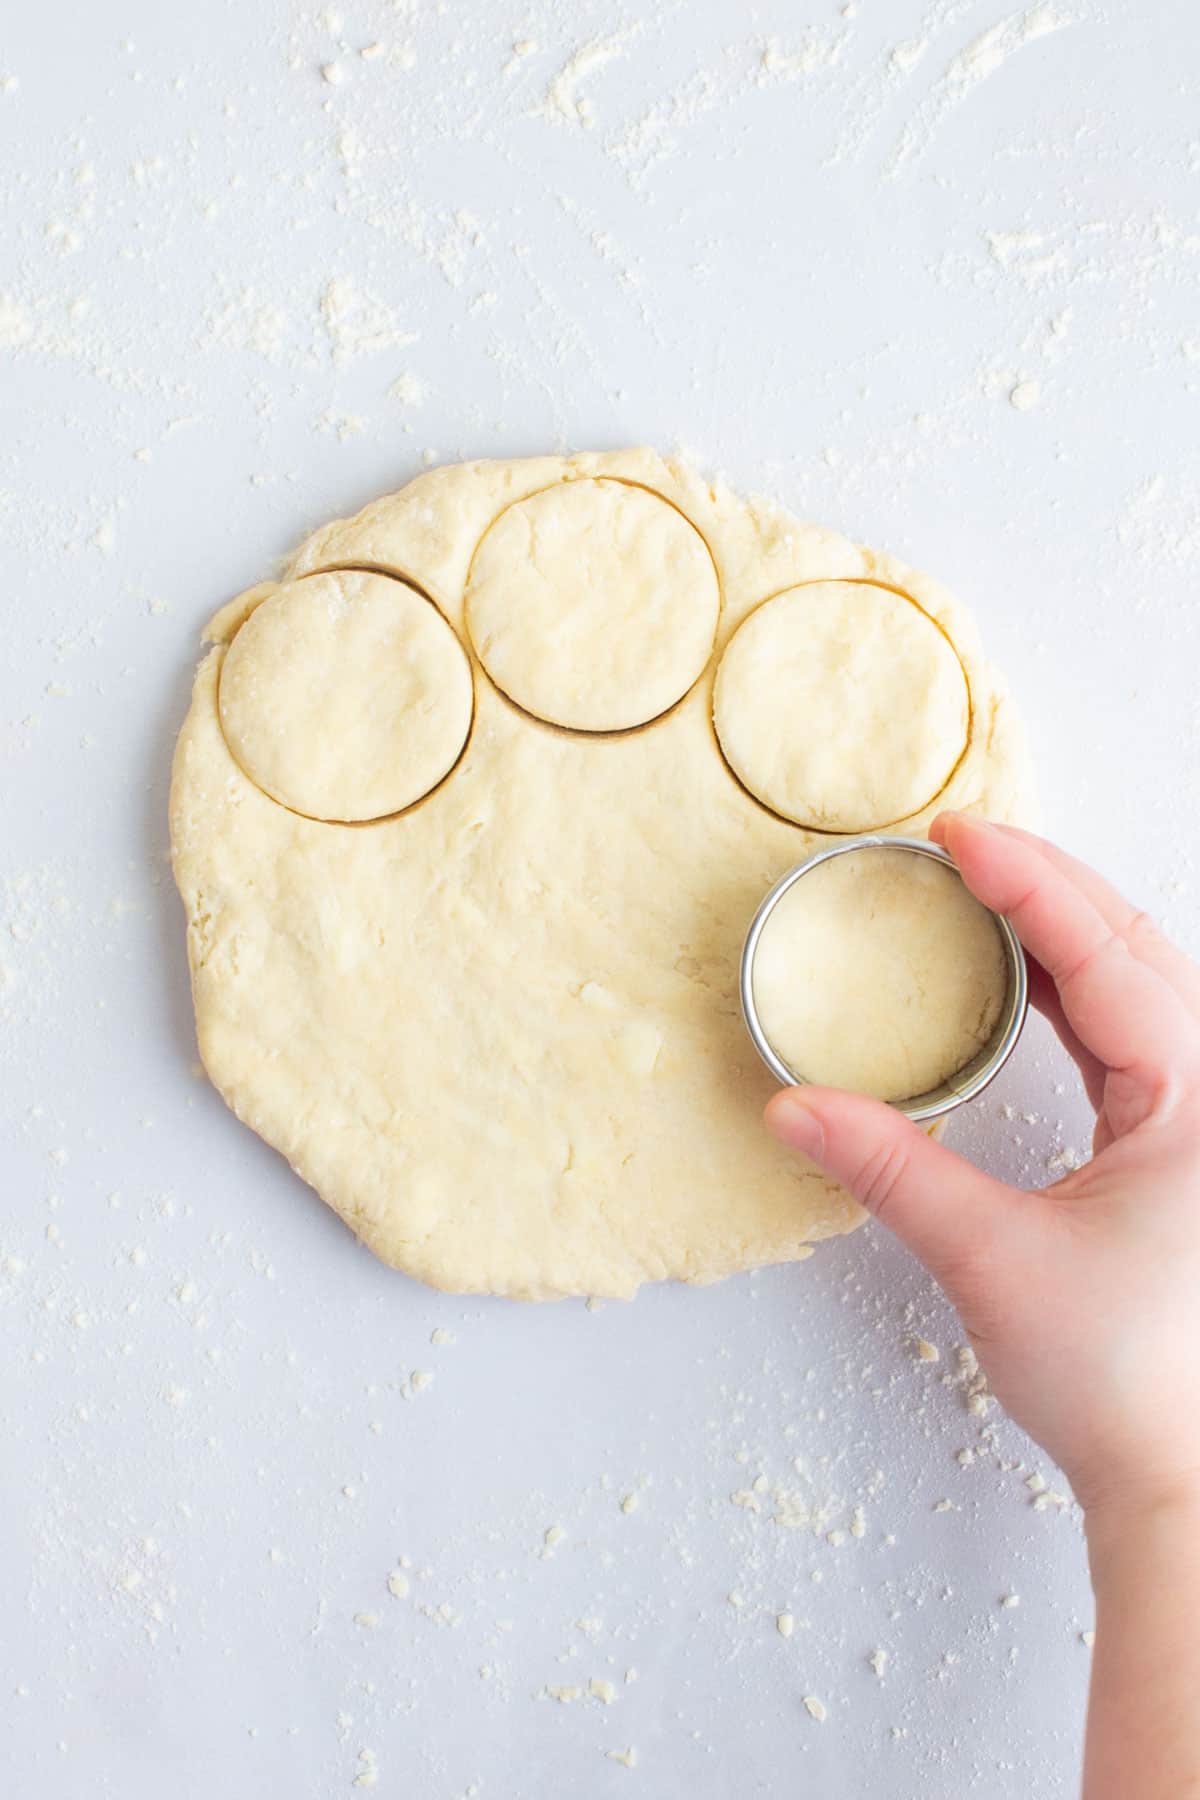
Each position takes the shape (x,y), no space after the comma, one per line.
(966,1082)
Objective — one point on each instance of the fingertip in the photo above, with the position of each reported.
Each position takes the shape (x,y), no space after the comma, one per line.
(788,1118)
(960,825)
(975,844)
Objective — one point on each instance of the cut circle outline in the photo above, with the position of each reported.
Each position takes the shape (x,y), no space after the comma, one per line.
(460,735)
(826,830)
(524,705)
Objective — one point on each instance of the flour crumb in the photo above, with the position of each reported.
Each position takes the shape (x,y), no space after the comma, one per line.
(814,52)
(398,1584)
(1088,1639)
(925,1351)
(357,323)
(626,1758)
(630,1503)
(816,1709)
(785,1624)
(907,55)
(1025,395)
(522,48)
(15,328)
(439,1336)
(408,389)
(878,1662)
(563,102)
(368,1774)
(1010,1600)
(602,1690)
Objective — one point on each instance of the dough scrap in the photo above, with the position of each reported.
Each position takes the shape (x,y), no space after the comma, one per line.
(879,971)
(500,1033)
(842,706)
(593,605)
(346,696)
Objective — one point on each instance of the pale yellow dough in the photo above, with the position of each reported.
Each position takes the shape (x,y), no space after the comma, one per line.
(499,1032)
(878,971)
(842,706)
(346,696)
(593,605)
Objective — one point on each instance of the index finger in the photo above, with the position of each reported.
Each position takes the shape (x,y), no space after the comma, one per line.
(1146,942)
(1121,1009)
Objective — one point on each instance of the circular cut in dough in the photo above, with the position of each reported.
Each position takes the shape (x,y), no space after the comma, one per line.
(841,706)
(346,696)
(879,971)
(593,605)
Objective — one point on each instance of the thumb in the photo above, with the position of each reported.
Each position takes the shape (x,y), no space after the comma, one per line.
(948,1212)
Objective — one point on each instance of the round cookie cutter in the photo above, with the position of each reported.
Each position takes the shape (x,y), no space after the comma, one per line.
(966,1082)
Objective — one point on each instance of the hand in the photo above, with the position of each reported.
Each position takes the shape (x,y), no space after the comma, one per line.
(1082,1301)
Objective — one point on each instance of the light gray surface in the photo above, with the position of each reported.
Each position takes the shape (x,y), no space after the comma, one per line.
(824,276)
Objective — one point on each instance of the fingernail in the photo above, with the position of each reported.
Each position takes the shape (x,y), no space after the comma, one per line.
(796,1124)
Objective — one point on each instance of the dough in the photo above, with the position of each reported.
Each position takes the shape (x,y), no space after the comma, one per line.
(879,971)
(500,1032)
(842,706)
(346,696)
(593,605)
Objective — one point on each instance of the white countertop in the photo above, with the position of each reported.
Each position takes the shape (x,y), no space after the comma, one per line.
(927,274)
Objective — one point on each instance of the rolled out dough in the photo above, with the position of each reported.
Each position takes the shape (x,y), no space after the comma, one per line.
(499,1030)
(879,971)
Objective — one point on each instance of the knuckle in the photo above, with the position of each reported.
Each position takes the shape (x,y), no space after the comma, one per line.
(879,1176)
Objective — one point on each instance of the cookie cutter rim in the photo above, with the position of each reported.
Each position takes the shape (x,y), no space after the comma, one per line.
(974,1075)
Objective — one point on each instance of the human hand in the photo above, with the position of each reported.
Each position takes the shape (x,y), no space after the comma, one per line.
(1082,1300)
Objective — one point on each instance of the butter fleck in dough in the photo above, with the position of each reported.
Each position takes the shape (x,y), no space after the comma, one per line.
(879,971)
(498,1031)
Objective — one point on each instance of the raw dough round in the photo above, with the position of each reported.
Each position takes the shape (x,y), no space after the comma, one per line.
(879,971)
(593,605)
(346,696)
(841,706)
(500,1033)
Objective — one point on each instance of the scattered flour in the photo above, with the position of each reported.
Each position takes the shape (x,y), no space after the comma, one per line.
(563,103)
(982,58)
